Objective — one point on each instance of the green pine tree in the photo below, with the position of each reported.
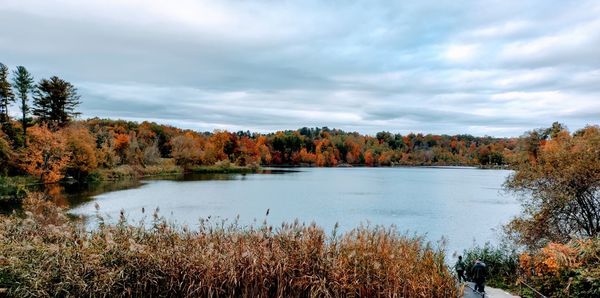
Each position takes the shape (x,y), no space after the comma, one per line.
(55,101)
(23,83)
(6,94)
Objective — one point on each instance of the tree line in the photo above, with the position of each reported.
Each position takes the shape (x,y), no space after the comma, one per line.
(47,142)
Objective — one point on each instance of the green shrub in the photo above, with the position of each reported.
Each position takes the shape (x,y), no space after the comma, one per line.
(11,190)
(502,263)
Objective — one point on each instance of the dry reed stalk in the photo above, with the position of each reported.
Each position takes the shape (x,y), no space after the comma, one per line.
(45,254)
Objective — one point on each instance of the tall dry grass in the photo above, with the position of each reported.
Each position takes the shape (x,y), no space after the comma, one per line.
(44,253)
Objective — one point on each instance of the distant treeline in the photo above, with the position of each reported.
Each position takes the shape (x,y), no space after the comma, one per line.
(47,143)
(306,146)
(78,148)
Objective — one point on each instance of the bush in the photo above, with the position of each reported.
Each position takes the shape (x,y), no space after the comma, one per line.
(502,263)
(11,191)
(564,270)
(45,254)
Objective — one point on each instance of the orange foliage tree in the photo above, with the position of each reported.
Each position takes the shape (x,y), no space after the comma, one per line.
(80,145)
(121,144)
(45,156)
(564,270)
(263,149)
(371,158)
(249,152)
(225,145)
(306,157)
(327,154)
(353,151)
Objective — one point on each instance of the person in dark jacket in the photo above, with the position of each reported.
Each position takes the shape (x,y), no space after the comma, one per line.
(460,269)
(479,274)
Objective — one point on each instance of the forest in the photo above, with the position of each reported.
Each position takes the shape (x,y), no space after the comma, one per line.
(48,142)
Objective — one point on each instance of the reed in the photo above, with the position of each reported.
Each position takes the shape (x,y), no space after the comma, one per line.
(44,253)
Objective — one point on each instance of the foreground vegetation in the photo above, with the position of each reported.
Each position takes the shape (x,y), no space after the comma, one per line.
(556,270)
(502,262)
(43,253)
(12,189)
(554,245)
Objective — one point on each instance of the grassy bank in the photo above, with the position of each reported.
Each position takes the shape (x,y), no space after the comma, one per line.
(169,167)
(166,166)
(45,254)
(222,170)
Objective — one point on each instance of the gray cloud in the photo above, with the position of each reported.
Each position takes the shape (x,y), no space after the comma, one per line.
(480,67)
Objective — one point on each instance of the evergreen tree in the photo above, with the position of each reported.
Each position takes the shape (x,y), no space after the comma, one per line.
(55,101)
(6,94)
(23,83)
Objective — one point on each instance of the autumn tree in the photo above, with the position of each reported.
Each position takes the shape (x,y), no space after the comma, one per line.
(46,156)
(127,147)
(353,150)
(225,145)
(560,188)
(249,153)
(55,101)
(121,145)
(23,83)
(263,150)
(151,154)
(326,154)
(106,154)
(306,157)
(6,94)
(80,146)
(371,158)
(134,154)
(186,150)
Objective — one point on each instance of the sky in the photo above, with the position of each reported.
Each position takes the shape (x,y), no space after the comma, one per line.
(495,68)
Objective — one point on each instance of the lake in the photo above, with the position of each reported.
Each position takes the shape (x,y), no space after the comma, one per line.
(461,204)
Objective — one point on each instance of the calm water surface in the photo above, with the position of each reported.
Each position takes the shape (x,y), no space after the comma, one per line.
(461,204)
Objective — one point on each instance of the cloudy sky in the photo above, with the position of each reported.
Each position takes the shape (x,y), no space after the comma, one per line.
(480,67)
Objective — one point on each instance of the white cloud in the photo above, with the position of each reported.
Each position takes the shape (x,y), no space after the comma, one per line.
(460,52)
(456,67)
(569,45)
(506,29)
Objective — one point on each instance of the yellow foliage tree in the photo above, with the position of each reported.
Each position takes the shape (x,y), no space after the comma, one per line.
(560,182)
(187,149)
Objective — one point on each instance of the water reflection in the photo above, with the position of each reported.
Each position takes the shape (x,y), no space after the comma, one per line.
(73,195)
